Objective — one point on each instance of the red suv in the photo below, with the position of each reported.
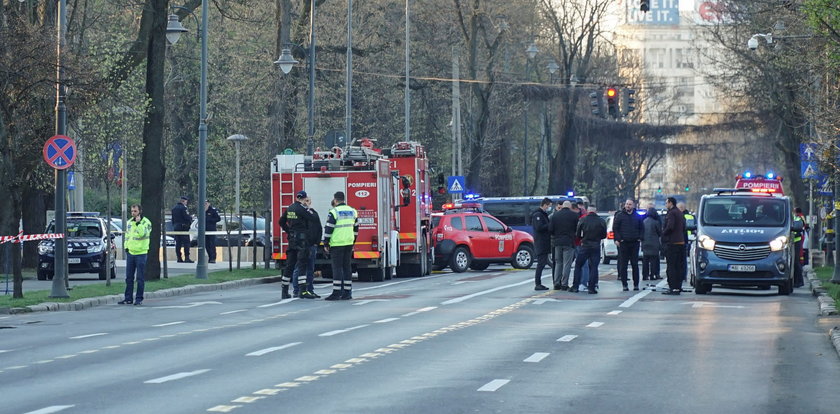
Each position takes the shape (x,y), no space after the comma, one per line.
(464,236)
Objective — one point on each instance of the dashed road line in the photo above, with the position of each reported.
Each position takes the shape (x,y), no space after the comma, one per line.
(494,385)
(175,377)
(51,409)
(234,311)
(268,305)
(566,338)
(595,325)
(262,352)
(341,331)
(484,292)
(635,298)
(615,312)
(421,310)
(536,357)
(386,320)
(89,335)
(169,324)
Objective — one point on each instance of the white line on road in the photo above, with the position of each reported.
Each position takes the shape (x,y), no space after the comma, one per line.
(233,311)
(262,352)
(567,338)
(191,305)
(397,283)
(615,312)
(595,325)
(268,305)
(484,292)
(629,302)
(174,377)
(88,336)
(169,324)
(52,409)
(426,309)
(386,320)
(366,301)
(493,385)
(537,357)
(341,331)
(544,300)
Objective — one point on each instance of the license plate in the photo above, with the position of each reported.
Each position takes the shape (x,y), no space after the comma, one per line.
(742,268)
(74,260)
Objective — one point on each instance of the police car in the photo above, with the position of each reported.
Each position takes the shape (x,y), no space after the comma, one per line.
(87,244)
(466,237)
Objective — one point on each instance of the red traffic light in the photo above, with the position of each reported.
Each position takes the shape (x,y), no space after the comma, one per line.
(441,190)
(611,92)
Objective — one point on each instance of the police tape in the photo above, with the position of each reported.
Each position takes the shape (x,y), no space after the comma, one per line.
(20,237)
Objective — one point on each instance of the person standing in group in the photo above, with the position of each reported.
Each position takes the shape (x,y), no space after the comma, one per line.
(305,288)
(542,240)
(591,229)
(563,227)
(136,244)
(295,221)
(181,221)
(628,228)
(340,234)
(211,217)
(688,233)
(584,280)
(798,279)
(651,245)
(673,236)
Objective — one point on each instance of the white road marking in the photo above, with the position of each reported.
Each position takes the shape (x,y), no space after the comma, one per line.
(88,336)
(386,320)
(567,338)
(262,352)
(493,385)
(615,312)
(595,325)
(421,310)
(174,377)
(635,298)
(544,300)
(191,305)
(711,305)
(366,301)
(5,350)
(397,283)
(461,282)
(268,305)
(169,324)
(484,292)
(233,311)
(537,357)
(51,409)
(341,331)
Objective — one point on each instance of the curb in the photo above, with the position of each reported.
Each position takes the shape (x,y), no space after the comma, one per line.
(86,303)
(826,304)
(834,336)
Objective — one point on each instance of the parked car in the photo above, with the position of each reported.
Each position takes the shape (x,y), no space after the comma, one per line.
(87,247)
(231,223)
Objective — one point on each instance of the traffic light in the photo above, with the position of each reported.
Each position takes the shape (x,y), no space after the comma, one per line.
(627,101)
(659,190)
(612,102)
(597,102)
(441,189)
(687,188)
(644,5)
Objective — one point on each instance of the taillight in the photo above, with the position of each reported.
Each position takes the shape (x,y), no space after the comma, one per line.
(610,235)
(374,242)
(438,236)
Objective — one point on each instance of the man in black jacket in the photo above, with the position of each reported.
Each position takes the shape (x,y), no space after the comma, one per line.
(211,217)
(673,236)
(563,227)
(181,221)
(591,229)
(295,221)
(542,240)
(628,228)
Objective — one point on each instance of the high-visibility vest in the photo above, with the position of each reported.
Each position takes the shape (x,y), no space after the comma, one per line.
(798,236)
(345,219)
(137,236)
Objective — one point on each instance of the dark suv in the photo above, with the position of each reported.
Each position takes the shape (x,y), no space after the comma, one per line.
(86,247)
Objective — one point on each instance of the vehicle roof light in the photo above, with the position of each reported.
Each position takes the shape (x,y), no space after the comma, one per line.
(747,174)
(770,175)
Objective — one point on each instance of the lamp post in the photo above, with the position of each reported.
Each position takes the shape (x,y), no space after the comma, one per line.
(174,29)
(237,139)
(348,98)
(286,62)
(59,283)
(532,52)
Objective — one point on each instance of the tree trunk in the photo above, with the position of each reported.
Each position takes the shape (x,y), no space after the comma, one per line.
(562,171)
(34,221)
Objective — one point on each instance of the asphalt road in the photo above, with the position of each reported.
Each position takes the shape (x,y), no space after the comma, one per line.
(481,342)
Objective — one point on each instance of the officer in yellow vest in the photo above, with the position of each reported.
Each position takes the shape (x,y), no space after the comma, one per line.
(136,245)
(798,280)
(340,234)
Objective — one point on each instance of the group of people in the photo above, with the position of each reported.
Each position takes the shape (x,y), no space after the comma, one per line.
(182,220)
(303,228)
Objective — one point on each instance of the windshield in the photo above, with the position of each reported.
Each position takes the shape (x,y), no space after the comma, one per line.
(745,211)
(79,228)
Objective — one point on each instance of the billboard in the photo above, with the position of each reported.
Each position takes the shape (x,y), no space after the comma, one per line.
(662,13)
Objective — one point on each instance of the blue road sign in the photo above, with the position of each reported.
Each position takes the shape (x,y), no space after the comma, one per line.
(808,151)
(809,169)
(455,184)
(71,180)
(824,186)
(60,152)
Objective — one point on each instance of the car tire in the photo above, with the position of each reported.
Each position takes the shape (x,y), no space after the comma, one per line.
(700,288)
(479,266)
(786,288)
(460,260)
(523,258)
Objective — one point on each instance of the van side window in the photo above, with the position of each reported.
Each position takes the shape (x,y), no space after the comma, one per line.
(457,223)
(474,224)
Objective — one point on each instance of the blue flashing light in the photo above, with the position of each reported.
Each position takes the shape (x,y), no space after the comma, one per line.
(747,174)
(641,212)
(771,176)
(570,193)
(471,196)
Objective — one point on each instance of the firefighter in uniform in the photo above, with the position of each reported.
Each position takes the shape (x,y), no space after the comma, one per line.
(295,221)
(798,280)
(340,234)
(689,218)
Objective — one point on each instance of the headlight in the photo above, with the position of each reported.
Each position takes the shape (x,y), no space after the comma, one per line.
(779,243)
(45,249)
(706,242)
(96,248)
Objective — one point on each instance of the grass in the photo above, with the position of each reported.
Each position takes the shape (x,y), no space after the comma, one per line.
(833,289)
(118,287)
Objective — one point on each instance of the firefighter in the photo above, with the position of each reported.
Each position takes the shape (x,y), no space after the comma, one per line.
(340,234)
(798,280)
(295,221)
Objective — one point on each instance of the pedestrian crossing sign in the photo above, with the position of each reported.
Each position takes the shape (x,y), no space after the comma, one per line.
(456,184)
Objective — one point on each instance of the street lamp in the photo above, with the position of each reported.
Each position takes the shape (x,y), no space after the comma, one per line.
(237,139)
(59,284)
(173,32)
(286,62)
(532,52)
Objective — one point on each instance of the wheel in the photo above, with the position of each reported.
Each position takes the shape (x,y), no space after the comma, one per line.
(786,288)
(523,258)
(44,275)
(460,260)
(700,288)
(479,266)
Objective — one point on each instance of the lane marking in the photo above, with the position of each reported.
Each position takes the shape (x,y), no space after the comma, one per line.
(341,331)
(223,408)
(421,310)
(493,385)
(386,320)
(191,305)
(51,409)
(169,324)
(89,335)
(262,352)
(234,311)
(5,350)
(537,357)
(595,325)
(397,283)
(615,312)
(635,298)
(566,338)
(278,303)
(484,292)
(366,301)
(544,300)
(174,377)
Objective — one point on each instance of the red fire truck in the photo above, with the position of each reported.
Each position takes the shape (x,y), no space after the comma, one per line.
(390,189)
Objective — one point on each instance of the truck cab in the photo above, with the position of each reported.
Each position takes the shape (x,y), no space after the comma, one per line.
(744,239)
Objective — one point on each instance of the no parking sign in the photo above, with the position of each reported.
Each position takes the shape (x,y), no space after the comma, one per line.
(60,152)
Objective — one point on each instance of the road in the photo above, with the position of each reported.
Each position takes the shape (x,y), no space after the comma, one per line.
(481,342)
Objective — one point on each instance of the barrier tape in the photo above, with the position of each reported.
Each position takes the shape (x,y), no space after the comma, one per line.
(20,237)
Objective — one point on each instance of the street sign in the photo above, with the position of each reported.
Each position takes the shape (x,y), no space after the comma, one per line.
(60,152)
(809,169)
(456,184)
(71,180)
(808,151)
(824,186)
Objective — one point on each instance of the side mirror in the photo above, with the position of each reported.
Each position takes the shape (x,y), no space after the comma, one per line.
(508,229)
(797,226)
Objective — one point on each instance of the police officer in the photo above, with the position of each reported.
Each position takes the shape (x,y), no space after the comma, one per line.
(798,280)
(181,221)
(295,221)
(211,217)
(542,240)
(340,234)
(689,218)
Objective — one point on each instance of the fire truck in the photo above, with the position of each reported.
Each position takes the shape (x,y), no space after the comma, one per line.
(389,189)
